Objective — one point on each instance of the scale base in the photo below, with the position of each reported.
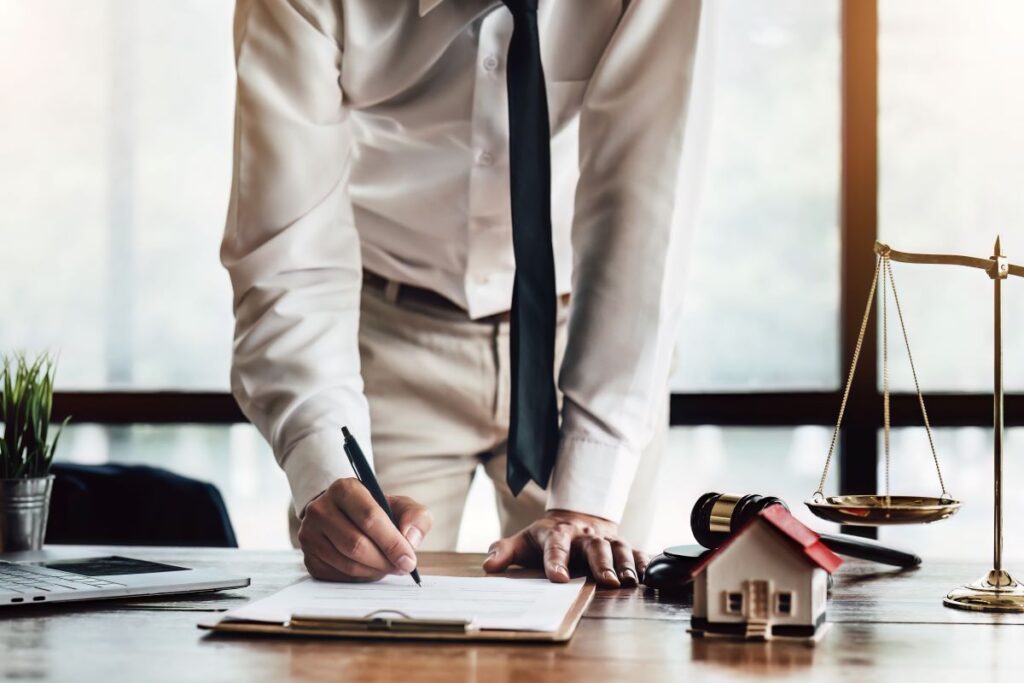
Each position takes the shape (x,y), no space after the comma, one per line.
(997,591)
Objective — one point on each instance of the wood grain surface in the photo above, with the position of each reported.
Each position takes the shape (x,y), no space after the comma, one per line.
(887,625)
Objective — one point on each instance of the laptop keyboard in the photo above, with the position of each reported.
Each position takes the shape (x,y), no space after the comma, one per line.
(20,578)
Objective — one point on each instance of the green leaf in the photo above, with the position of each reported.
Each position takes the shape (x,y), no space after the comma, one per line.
(26,408)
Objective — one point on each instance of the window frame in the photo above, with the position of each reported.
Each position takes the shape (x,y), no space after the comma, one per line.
(859,230)
(729,596)
(788,595)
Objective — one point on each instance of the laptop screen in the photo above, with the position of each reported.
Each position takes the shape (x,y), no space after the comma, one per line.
(111,566)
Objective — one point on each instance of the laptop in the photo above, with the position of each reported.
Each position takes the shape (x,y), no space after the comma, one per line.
(66,575)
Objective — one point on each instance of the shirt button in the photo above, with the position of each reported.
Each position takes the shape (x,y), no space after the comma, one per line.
(490,63)
(484,158)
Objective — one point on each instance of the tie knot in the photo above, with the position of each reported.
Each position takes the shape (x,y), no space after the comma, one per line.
(521,6)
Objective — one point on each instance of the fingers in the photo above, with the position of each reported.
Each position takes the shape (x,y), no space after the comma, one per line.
(323,557)
(414,520)
(323,571)
(598,554)
(561,537)
(508,551)
(625,566)
(499,557)
(324,562)
(350,542)
(557,547)
(640,560)
(352,498)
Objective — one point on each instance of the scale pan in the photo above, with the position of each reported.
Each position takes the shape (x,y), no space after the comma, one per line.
(882,510)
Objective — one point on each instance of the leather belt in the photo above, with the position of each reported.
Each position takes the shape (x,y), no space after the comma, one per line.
(403,293)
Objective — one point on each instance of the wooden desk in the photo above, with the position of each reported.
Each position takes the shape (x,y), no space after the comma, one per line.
(887,626)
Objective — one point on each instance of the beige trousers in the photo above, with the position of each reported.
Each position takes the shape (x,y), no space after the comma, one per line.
(438,385)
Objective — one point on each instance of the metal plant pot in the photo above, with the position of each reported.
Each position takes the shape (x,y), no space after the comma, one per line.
(24,507)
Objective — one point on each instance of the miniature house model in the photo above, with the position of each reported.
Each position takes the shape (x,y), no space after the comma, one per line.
(768,580)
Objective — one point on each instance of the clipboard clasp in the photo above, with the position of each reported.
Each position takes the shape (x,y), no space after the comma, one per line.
(378,621)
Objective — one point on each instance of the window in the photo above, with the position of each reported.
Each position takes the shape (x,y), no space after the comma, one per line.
(115,166)
(784,602)
(950,144)
(734,603)
(762,304)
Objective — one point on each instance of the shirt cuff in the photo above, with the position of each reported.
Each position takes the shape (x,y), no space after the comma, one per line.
(314,463)
(592,478)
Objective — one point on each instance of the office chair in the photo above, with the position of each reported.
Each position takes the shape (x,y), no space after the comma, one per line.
(135,505)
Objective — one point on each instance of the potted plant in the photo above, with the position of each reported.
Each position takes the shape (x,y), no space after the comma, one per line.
(26,450)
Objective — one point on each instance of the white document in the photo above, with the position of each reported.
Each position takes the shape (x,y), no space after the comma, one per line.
(493,603)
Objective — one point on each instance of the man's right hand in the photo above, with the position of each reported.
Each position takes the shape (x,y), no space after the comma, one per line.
(346,536)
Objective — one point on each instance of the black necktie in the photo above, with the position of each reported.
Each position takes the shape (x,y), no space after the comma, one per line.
(533,429)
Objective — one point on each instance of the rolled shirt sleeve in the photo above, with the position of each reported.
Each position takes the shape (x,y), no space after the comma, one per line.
(628,254)
(290,245)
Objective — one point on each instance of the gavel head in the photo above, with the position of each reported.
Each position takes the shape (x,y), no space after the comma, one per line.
(717,515)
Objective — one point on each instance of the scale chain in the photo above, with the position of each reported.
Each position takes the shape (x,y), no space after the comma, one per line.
(917,387)
(888,280)
(886,395)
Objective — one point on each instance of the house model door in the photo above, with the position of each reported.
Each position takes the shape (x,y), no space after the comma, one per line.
(757,599)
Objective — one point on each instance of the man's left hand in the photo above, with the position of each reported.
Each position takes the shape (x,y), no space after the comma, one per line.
(561,537)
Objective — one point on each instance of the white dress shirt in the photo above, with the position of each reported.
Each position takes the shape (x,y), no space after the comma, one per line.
(374,133)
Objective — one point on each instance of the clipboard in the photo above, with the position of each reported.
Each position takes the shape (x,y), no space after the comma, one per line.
(396,626)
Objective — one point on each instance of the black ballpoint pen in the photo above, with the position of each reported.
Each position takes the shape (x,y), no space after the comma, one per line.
(365,474)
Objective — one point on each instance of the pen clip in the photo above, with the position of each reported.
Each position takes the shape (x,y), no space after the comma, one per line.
(348,454)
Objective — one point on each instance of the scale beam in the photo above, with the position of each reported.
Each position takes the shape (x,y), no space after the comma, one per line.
(992,266)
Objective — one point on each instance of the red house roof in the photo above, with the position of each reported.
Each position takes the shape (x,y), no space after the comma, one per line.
(789,528)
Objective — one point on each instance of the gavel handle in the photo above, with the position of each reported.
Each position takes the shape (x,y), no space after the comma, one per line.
(855,546)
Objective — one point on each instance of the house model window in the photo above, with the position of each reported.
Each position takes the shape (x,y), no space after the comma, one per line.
(784,602)
(734,603)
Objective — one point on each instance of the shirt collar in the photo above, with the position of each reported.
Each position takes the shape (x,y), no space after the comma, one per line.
(427,5)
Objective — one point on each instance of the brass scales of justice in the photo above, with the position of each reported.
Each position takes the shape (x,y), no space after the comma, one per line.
(997,591)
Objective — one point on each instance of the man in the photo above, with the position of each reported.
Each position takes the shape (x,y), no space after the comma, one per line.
(373,240)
